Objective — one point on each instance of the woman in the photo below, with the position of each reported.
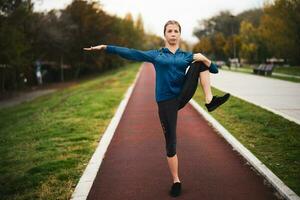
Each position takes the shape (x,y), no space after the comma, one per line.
(173,88)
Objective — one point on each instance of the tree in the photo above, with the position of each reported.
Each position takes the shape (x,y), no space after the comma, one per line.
(204,46)
(15,47)
(222,30)
(248,36)
(219,42)
(139,25)
(280,29)
(58,37)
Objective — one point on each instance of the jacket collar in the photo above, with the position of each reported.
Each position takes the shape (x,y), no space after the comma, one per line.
(166,50)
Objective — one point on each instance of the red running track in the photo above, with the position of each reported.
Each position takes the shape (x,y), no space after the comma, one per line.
(135,165)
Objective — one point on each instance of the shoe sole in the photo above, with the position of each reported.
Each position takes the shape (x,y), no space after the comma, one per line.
(174,195)
(213,108)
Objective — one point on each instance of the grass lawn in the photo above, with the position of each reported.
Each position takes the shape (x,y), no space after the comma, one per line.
(249,70)
(46,143)
(295,71)
(272,139)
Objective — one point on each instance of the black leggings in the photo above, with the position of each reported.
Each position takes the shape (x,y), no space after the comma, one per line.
(168,109)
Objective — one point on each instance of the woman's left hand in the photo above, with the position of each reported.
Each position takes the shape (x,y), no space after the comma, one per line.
(198,57)
(99,47)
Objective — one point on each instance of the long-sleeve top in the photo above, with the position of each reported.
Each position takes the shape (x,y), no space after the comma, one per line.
(170,67)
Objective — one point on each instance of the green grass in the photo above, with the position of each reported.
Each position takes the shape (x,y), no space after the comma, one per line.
(295,70)
(272,139)
(248,70)
(46,143)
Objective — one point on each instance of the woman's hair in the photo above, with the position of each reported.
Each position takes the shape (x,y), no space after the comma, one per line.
(172,22)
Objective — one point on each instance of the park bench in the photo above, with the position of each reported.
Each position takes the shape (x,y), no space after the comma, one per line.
(263,69)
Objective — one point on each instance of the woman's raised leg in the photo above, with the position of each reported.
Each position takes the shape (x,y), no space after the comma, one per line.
(196,70)
(191,83)
(205,84)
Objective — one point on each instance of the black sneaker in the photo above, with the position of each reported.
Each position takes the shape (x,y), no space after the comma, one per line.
(216,102)
(175,189)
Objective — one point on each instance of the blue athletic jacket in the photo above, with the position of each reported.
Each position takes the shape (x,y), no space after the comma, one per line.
(170,68)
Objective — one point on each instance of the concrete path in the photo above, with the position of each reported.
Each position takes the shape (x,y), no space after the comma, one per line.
(281,97)
(135,165)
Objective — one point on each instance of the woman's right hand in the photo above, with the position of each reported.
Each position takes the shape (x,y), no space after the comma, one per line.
(99,47)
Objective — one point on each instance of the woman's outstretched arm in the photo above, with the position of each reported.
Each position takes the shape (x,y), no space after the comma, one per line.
(127,53)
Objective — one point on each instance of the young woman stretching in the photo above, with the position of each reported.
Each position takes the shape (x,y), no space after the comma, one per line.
(174,88)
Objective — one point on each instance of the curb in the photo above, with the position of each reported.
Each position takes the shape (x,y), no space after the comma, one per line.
(86,181)
(283,189)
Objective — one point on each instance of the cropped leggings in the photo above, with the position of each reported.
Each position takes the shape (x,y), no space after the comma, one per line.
(168,109)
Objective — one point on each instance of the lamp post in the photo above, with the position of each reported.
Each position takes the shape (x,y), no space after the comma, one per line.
(233,42)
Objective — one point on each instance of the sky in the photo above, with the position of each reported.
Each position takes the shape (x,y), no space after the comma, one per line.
(155,13)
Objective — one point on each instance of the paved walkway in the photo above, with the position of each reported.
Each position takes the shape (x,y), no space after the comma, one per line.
(282,97)
(135,165)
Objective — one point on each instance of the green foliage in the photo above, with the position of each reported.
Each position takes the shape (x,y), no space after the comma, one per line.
(256,34)
(249,47)
(58,37)
(14,44)
(280,29)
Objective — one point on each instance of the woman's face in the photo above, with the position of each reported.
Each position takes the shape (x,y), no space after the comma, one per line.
(172,34)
